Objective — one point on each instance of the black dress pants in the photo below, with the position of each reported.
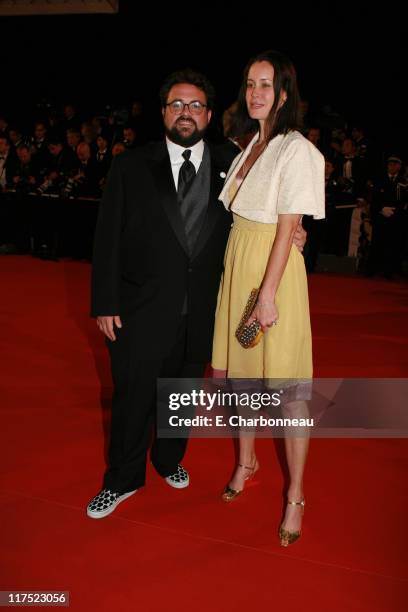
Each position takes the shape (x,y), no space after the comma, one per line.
(134,408)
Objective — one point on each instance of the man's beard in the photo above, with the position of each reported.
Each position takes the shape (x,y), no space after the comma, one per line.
(185,140)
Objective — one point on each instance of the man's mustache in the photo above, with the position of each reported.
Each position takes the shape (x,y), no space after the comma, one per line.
(186,118)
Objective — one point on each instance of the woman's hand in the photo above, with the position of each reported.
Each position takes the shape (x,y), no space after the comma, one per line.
(266,313)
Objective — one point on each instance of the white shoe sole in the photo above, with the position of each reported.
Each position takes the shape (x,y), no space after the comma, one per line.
(97,515)
(178,485)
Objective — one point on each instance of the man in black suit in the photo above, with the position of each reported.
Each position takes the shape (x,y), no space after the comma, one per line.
(354,174)
(39,146)
(103,157)
(389,216)
(158,256)
(85,176)
(9,164)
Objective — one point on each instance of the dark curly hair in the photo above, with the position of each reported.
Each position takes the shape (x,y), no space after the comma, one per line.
(192,78)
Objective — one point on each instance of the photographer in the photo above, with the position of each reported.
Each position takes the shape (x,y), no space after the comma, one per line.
(22,177)
(84,179)
(62,163)
(26,173)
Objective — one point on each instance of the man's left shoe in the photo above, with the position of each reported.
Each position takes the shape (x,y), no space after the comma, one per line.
(180,479)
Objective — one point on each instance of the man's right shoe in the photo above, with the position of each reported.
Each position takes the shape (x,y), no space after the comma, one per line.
(105,503)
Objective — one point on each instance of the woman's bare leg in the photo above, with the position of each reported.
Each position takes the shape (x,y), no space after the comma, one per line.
(296,453)
(246,458)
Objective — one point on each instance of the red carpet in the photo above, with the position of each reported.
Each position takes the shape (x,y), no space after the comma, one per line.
(176,550)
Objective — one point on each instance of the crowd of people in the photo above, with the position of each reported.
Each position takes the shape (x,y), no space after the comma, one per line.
(376,183)
(65,159)
(65,156)
(70,158)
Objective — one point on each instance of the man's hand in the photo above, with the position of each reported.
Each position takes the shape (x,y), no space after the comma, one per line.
(105,325)
(300,237)
(388,211)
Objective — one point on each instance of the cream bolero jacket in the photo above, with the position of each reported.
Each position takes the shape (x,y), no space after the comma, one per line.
(287,178)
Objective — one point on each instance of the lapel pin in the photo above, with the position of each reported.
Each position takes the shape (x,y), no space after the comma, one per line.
(222,174)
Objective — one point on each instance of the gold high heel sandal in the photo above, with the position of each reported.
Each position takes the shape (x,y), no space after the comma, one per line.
(229,493)
(289,537)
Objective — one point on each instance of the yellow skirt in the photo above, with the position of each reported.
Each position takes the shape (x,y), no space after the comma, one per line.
(285,351)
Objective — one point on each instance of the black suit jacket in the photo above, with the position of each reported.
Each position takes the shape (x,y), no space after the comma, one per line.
(88,185)
(103,165)
(389,192)
(141,267)
(11,166)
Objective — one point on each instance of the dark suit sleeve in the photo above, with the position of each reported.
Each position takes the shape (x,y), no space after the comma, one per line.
(11,171)
(106,255)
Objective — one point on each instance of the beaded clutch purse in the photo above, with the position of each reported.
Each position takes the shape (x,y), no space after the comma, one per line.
(249,335)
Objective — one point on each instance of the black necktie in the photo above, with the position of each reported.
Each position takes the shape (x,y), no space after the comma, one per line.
(186,176)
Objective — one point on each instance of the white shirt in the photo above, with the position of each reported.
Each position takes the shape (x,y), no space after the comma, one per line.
(348,169)
(176,156)
(287,178)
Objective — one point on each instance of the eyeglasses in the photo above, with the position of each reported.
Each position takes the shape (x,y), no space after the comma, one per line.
(195,107)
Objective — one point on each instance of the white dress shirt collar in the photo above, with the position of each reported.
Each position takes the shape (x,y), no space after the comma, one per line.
(176,156)
(176,153)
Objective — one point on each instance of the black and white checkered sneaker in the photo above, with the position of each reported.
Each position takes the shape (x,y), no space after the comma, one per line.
(105,503)
(180,479)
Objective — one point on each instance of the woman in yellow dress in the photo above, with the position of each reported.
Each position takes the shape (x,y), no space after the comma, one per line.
(278,178)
